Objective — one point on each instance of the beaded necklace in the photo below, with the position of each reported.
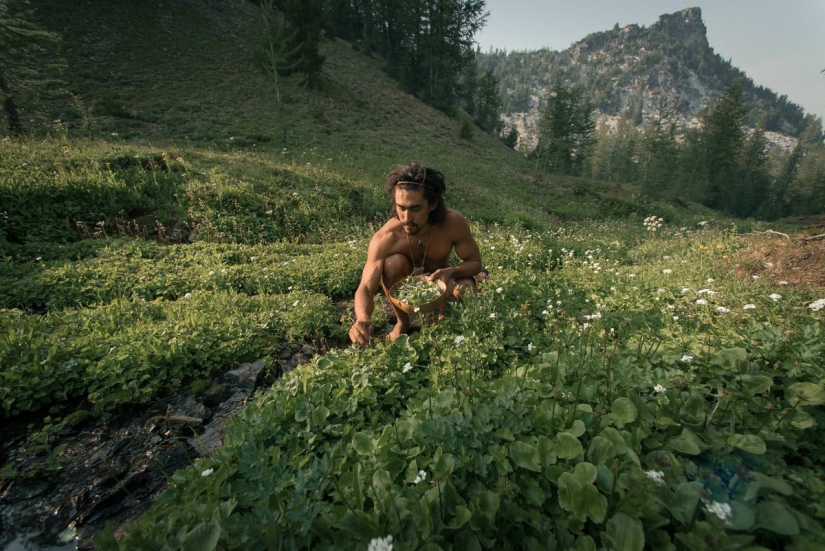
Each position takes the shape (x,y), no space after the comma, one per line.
(418,270)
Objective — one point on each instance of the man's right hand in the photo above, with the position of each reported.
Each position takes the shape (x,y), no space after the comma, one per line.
(361,332)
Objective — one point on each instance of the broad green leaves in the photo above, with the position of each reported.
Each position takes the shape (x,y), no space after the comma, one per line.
(578,495)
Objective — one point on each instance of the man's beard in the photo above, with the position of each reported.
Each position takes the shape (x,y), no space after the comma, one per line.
(412,229)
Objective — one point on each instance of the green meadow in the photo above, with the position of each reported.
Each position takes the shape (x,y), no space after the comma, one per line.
(620,382)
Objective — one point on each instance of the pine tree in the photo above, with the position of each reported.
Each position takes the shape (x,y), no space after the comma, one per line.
(303,20)
(659,153)
(566,131)
(722,139)
(487,103)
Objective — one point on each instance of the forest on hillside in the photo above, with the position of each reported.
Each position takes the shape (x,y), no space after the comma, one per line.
(726,162)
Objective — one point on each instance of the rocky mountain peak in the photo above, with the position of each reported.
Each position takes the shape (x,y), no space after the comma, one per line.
(686,26)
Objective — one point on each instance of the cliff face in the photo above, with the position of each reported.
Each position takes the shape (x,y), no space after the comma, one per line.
(638,71)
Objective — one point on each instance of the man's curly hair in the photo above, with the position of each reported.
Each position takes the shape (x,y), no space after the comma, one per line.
(415,177)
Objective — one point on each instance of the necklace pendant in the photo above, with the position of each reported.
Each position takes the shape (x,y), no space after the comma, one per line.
(420,245)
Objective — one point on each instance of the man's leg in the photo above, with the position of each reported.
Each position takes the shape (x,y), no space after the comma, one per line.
(396,268)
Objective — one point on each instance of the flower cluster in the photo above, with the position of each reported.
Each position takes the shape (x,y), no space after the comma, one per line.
(420,477)
(656,476)
(817,305)
(380,544)
(721,510)
(653,223)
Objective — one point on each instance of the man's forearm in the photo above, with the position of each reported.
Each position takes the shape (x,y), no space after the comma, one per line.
(364,304)
(468,268)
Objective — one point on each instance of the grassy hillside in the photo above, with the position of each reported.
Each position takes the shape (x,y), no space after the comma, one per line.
(612,386)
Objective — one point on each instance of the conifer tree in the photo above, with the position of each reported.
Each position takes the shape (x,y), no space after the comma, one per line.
(722,139)
(487,103)
(566,131)
(659,153)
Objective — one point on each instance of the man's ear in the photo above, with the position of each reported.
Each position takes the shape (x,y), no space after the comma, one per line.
(434,206)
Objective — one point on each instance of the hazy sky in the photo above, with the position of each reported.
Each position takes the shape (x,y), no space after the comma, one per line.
(780,44)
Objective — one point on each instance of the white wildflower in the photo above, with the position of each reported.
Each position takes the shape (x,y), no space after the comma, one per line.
(660,290)
(755,277)
(783,282)
(658,389)
(721,510)
(710,280)
(656,476)
(635,288)
(722,309)
(675,318)
(212,273)
(530,347)
(667,271)
(749,307)
(500,289)
(705,292)
(687,358)
(294,304)
(817,305)
(701,301)
(492,315)
(380,544)
(416,309)
(685,289)
(775,296)
(187,295)
(768,264)
(544,312)
(407,367)
(207,472)
(420,477)
(459,339)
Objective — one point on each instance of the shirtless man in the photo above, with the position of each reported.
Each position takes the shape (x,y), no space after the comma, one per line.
(421,233)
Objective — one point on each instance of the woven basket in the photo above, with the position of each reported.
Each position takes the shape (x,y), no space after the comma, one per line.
(422,308)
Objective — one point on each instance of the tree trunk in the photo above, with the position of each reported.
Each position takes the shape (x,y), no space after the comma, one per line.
(15,126)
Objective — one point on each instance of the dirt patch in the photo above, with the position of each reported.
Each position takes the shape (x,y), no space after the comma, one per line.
(794,260)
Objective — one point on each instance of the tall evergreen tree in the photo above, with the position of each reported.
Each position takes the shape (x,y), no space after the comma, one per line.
(303,21)
(488,103)
(659,153)
(806,193)
(615,153)
(722,138)
(566,131)
(750,190)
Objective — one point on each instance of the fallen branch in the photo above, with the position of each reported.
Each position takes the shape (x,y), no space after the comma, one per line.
(820,236)
(771,232)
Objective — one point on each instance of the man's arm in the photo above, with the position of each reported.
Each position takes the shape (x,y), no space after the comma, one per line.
(466,249)
(361,330)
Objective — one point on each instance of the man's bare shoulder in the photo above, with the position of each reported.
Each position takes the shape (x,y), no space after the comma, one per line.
(456,221)
(385,240)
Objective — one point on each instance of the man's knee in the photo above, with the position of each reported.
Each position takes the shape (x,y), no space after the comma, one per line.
(396,268)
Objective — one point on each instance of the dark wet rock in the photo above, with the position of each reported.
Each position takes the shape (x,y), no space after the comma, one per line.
(112,470)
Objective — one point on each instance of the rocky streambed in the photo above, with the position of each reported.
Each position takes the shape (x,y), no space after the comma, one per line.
(62,482)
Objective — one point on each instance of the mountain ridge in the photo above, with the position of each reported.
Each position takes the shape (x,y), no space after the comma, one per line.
(640,71)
